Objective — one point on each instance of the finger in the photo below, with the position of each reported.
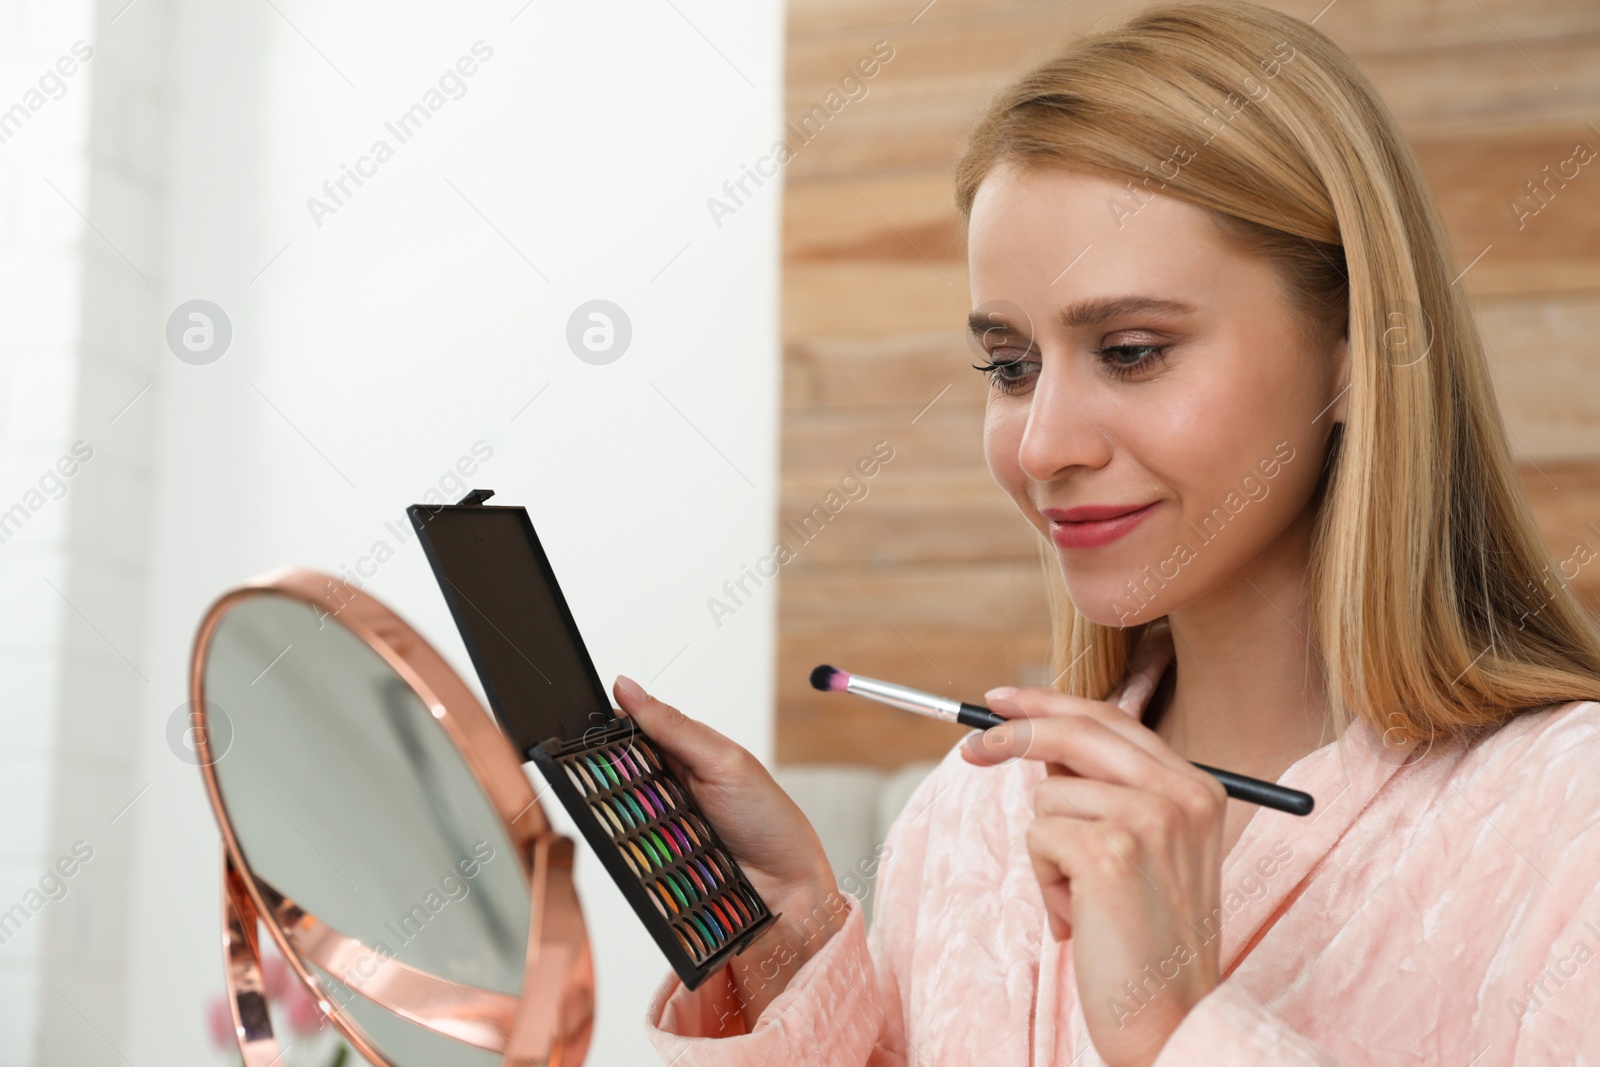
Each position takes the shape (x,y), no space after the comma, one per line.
(1051,703)
(1155,820)
(688,743)
(1054,887)
(1077,797)
(1096,749)
(1043,709)
(1072,850)
(1048,703)
(1037,703)
(1058,908)
(1069,854)
(986,748)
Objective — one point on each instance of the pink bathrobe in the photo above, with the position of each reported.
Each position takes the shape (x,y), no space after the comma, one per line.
(1442,912)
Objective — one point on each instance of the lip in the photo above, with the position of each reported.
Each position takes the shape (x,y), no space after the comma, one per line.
(1094,525)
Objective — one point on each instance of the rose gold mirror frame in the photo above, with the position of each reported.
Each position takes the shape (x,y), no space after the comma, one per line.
(551,1022)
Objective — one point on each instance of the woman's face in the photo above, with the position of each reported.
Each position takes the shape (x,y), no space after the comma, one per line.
(1212,412)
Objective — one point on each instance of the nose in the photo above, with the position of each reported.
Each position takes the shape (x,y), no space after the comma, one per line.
(1062,431)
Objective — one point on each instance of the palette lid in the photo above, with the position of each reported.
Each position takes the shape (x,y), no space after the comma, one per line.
(515,622)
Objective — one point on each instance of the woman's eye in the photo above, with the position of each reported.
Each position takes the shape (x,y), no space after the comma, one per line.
(1118,366)
(1008,373)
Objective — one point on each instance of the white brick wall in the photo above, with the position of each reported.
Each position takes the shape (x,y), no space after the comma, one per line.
(80,199)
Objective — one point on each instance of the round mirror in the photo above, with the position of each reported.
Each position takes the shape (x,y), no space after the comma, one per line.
(379,825)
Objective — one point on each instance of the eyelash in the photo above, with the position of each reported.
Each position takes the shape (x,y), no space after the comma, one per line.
(1120,371)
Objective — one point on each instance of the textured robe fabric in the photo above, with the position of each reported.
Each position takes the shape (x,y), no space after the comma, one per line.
(1443,910)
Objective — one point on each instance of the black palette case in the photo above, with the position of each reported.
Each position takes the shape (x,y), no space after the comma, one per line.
(639,819)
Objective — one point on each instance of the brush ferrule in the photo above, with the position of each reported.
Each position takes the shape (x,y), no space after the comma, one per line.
(903,697)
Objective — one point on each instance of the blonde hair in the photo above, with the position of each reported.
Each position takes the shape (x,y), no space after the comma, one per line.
(1428,586)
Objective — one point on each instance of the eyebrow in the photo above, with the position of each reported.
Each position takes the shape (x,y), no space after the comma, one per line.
(1091,312)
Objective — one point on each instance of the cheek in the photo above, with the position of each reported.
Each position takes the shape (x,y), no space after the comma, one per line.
(1003,424)
(1205,439)
(1216,458)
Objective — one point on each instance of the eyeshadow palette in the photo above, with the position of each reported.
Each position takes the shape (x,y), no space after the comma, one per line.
(668,852)
(542,686)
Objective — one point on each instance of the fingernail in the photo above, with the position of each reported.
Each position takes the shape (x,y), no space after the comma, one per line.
(1000,693)
(632,688)
(1008,709)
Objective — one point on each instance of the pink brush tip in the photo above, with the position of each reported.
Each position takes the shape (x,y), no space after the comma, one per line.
(829,679)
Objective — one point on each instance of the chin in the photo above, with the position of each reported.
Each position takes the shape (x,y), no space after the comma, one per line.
(1104,599)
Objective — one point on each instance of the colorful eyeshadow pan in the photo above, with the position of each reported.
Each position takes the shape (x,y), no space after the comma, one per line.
(643,797)
(622,820)
(690,871)
(683,898)
(650,848)
(666,897)
(694,935)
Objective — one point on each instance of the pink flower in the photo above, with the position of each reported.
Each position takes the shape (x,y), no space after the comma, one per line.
(274,977)
(304,1015)
(219,1021)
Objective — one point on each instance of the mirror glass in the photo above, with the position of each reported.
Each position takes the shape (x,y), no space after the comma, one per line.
(403,1041)
(351,801)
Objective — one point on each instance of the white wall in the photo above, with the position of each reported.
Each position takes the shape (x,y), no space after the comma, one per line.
(373,352)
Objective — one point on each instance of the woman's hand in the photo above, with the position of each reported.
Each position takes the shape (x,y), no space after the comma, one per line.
(1126,843)
(768,835)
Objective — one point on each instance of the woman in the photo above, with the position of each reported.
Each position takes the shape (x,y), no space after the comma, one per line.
(1211,285)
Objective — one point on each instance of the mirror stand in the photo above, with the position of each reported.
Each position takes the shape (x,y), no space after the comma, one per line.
(479,1017)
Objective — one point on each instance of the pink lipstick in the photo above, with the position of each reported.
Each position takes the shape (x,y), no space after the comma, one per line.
(1094,525)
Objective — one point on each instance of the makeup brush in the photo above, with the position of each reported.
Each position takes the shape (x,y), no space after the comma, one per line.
(833,680)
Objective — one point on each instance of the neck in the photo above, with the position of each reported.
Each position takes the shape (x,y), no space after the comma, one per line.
(1246,690)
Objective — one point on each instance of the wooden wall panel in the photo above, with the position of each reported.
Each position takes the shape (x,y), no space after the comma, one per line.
(930,576)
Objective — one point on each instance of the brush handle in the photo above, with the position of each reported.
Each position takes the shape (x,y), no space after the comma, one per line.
(1239,786)
(1256,791)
